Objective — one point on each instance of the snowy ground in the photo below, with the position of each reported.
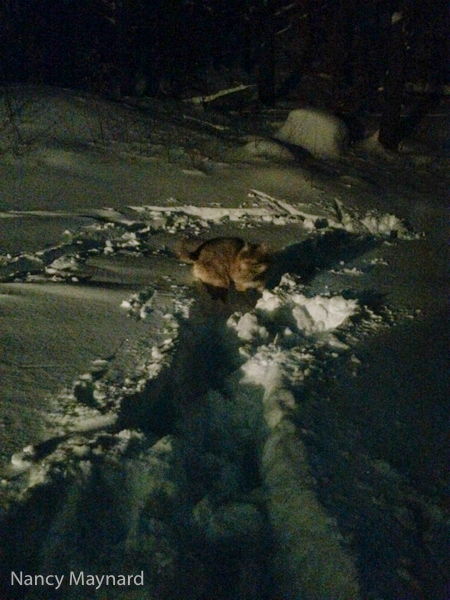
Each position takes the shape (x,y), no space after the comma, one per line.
(289,445)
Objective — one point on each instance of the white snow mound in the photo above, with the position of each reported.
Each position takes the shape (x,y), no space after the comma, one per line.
(322,134)
(311,315)
(264,149)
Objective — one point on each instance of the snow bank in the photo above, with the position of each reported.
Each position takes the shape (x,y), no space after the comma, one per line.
(280,339)
(310,559)
(287,344)
(322,134)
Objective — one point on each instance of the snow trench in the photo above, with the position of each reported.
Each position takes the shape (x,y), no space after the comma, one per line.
(180,459)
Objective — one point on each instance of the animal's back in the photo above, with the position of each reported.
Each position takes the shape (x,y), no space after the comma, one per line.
(190,250)
(214,259)
(221,261)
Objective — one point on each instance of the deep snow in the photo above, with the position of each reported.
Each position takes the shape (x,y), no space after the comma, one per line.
(285,445)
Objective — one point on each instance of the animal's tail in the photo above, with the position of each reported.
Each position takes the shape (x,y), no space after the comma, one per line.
(187,249)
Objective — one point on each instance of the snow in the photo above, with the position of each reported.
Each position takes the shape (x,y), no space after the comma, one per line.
(287,434)
(205,99)
(297,519)
(386,224)
(311,315)
(396,17)
(295,321)
(318,132)
(248,328)
(262,149)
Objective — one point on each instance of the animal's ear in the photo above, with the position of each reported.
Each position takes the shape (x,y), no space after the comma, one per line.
(263,248)
(254,250)
(246,249)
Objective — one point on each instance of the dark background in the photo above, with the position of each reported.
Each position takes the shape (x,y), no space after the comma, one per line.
(175,48)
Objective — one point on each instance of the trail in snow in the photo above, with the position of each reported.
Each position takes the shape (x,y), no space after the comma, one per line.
(186,483)
(190,442)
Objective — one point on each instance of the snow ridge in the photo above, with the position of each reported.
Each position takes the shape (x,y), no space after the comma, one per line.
(131,231)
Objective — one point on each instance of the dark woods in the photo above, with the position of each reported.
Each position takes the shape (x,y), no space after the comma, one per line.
(174,48)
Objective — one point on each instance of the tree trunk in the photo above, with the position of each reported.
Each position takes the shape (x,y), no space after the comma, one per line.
(390,126)
(342,43)
(266,59)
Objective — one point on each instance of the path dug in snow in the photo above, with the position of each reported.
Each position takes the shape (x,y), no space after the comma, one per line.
(188,484)
(191,437)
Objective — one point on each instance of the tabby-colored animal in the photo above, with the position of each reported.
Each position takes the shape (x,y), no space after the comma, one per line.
(223,262)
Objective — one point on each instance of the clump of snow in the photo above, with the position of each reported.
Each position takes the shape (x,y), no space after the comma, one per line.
(319,314)
(289,333)
(290,365)
(21,461)
(247,327)
(347,271)
(318,132)
(64,263)
(385,224)
(286,329)
(379,261)
(286,305)
(95,423)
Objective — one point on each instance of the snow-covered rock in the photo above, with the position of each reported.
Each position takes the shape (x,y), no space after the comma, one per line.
(322,134)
